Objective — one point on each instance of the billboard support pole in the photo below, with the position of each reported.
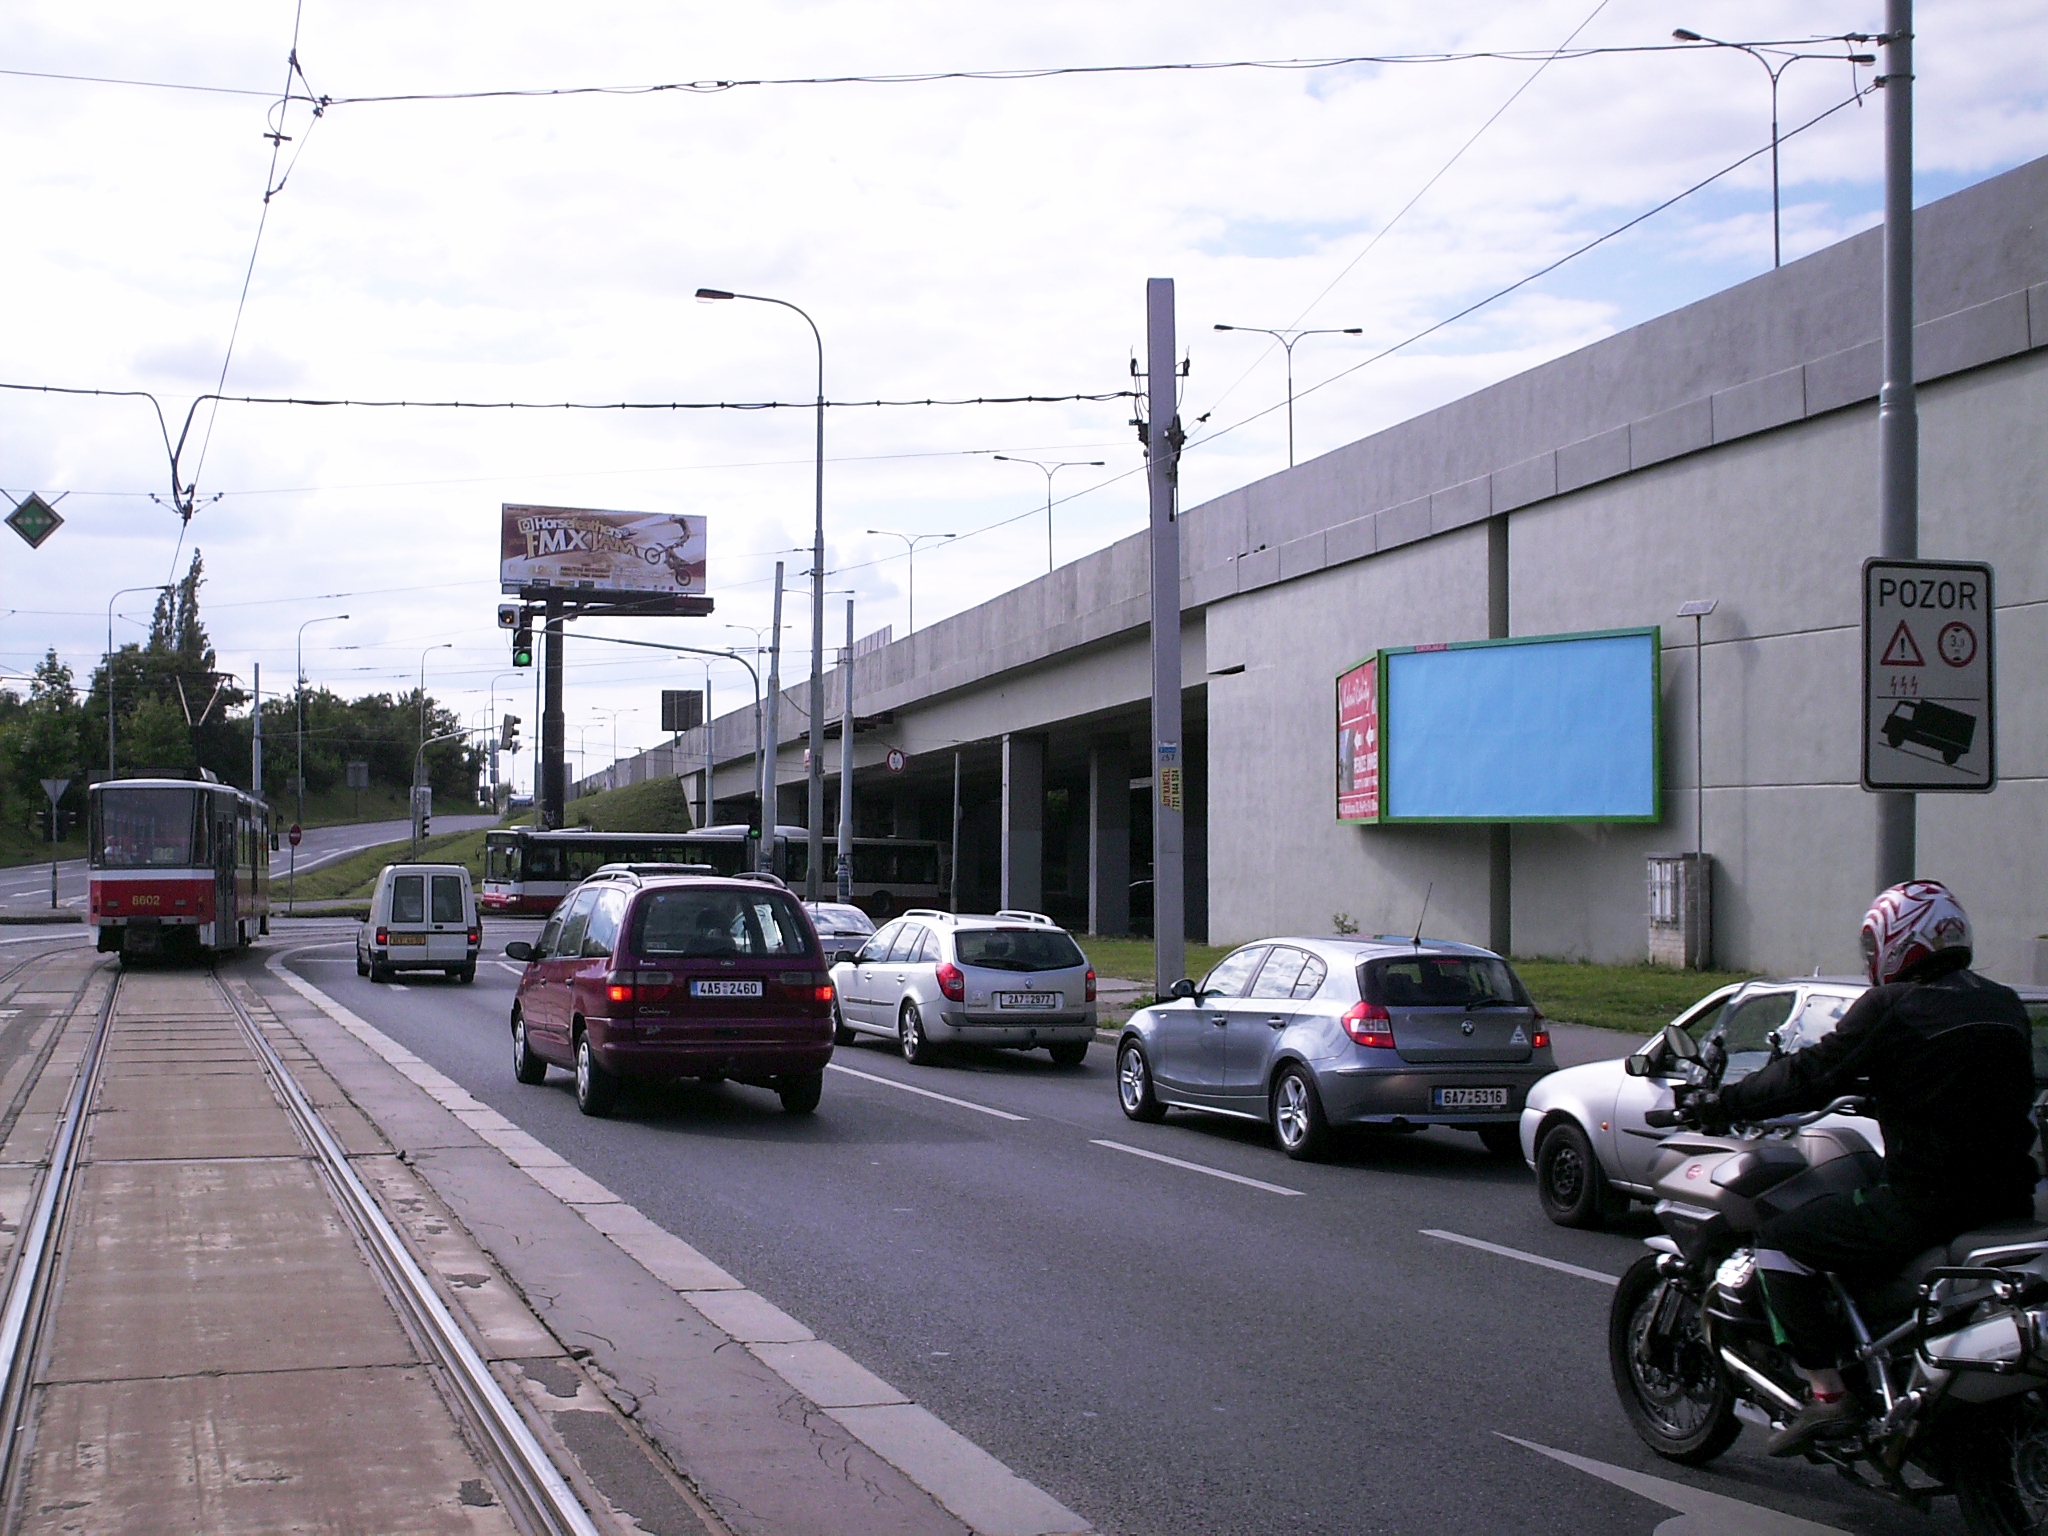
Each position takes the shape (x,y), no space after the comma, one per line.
(1162,454)
(1898,427)
(773,741)
(553,733)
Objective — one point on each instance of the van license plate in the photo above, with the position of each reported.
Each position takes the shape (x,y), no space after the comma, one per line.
(723,988)
(1027,999)
(407,938)
(1471,1098)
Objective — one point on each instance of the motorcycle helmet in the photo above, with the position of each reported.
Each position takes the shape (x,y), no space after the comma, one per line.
(1909,925)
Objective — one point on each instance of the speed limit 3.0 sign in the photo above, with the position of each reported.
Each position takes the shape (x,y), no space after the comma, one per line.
(1927,677)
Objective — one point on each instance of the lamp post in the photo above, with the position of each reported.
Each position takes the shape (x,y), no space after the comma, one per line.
(912,540)
(495,725)
(1697,611)
(1786,58)
(611,777)
(1287,336)
(1049,470)
(159,587)
(817,773)
(299,686)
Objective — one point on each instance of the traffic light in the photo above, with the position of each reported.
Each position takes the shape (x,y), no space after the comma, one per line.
(522,646)
(508,615)
(508,736)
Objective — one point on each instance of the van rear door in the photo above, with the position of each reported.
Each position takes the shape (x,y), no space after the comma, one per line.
(448,916)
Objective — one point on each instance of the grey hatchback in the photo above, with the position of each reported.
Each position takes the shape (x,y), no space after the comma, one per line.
(1311,1034)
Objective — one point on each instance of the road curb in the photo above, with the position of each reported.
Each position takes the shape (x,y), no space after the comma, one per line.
(30,917)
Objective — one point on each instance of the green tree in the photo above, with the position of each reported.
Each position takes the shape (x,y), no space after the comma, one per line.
(40,739)
(175,667)
(156,736)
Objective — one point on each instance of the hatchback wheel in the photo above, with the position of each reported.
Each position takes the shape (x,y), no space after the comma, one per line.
(800,1094)
(1134,1084)
(1298,1124)
(918,1049)
(1570,1184)
(526,1066)
(593,1083)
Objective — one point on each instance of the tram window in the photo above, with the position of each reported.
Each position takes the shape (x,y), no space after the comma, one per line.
(408,898)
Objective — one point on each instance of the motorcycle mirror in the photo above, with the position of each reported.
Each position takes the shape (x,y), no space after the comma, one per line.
(1680,1044)
(1637,1065)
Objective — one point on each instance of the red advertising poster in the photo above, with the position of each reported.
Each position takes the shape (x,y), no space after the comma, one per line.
(1358,743)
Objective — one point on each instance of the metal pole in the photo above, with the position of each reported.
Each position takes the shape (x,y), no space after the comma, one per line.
(256,736)
(812,884)
(1898,428)
(552,796)
(953,890)
(770,813)
(1289,347)
(1169,922)
(1777,247)
(710,757)
(846,770)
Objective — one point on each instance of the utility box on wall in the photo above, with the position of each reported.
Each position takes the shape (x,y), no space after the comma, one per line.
(1681,910)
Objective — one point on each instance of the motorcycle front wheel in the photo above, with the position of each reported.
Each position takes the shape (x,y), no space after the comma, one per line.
(2001,1467)
(1673,1390)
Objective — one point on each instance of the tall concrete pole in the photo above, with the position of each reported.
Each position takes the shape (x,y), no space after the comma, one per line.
(255,734)
(1162,447)
(846,769)
(552,796)
(772,744)
(1898,422)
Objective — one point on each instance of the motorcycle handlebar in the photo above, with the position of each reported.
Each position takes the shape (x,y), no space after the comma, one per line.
(1661,1119)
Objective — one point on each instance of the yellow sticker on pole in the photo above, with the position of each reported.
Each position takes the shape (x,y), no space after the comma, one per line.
(1169,788)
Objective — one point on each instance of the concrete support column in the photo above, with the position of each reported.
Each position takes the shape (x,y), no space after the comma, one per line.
(1109,839)
(1023,822)
(1500,846)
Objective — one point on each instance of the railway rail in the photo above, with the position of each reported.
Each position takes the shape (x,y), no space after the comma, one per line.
(537,1497)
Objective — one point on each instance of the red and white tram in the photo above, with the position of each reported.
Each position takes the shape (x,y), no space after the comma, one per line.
(179,867)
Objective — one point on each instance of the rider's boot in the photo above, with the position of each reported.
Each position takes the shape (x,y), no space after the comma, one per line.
(1823,1416)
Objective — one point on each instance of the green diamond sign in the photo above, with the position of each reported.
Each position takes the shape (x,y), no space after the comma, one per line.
(35,520)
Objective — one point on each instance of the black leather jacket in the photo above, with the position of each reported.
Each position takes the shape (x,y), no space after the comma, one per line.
(1950,1066)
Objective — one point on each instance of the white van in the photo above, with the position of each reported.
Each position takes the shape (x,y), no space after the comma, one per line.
(422,918)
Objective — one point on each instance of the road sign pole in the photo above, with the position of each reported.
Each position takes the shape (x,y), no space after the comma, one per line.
(1898,429)
(1169,920)
(54,788)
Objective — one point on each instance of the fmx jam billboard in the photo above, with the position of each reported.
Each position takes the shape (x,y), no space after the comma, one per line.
(1549,728)
(590,552)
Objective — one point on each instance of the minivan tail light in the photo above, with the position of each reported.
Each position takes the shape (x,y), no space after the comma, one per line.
(805,986)
(1368,1024)
(953,982)
(1091,987)
(637,986)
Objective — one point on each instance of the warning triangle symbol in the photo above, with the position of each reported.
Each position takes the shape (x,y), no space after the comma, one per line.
(1902,652)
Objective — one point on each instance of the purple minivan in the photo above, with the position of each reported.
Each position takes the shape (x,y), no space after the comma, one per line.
(654,978)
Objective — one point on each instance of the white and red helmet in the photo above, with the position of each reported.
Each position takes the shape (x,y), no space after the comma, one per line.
(1912,923)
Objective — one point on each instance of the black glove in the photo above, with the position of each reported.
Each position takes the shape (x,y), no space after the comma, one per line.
(1701,1108)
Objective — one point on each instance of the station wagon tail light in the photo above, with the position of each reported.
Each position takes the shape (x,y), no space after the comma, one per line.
(1368,1024)
(953,981)
(1090,997)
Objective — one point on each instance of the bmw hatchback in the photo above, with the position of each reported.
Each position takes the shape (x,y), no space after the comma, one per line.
(642,979)
(1308,1035)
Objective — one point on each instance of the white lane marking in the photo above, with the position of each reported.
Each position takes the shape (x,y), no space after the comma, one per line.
(507,965)
(1527,1258)
(1706,1514)
(1214,1173)
(926,1093)
(48,937)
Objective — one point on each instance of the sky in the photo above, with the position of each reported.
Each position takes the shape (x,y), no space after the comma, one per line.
(950,239)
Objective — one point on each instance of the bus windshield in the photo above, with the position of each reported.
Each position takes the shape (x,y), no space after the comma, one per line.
(148,829)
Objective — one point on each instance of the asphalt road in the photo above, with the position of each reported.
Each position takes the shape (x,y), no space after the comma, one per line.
(1246,1344)
(28,885)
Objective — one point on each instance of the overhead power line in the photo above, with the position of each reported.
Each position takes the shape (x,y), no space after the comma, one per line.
(576,405)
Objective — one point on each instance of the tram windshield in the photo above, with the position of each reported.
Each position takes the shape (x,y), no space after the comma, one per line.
(148,829)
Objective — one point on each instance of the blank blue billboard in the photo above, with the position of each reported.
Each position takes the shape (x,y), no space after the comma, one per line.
(1558,729)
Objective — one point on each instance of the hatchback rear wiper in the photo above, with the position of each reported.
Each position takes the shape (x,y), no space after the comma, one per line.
(1494,1002)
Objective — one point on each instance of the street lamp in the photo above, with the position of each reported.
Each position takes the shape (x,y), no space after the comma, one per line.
(1049,471)
(817,773)
(910,543)
(1786,59)
(1287,336)
(599,709)
(299,675)
(159,587)
(445,645)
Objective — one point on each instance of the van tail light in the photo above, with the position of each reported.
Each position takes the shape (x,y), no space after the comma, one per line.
(1368,1024)
(476,936)
(953,982)
(1091,988)
(383,936)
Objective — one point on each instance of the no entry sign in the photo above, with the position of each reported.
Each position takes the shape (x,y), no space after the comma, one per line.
(1927,677)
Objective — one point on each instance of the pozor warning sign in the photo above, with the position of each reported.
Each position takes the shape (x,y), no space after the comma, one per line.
(1927,677)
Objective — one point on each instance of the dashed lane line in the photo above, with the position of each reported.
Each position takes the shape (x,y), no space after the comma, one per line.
(926,1093)
(1214,1173)
(1527,1258)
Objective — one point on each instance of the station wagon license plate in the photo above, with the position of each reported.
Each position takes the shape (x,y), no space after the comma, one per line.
(719,987)
(407,938)
(1471,1098)
(1027,999)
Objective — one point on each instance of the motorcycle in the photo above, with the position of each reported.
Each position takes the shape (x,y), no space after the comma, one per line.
(1949,1360)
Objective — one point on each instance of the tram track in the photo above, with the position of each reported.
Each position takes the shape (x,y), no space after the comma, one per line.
(536,1494)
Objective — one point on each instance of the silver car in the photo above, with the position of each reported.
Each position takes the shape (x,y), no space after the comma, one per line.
(1309,1035)
(1583,1129)
(842,928)
(931,979)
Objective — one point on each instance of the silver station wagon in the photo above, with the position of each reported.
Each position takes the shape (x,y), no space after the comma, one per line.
(1309,1035)
(929,979)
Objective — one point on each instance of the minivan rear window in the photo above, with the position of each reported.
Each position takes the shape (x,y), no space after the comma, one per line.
(1017,949)
(711,923)
(1441,981)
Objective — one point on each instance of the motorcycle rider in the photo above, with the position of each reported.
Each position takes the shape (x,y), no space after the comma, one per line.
(1947,1058)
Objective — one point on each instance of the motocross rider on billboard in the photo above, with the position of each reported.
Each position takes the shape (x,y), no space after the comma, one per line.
(1947,1059)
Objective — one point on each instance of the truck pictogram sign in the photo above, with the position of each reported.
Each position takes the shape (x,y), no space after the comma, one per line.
(1928,728)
